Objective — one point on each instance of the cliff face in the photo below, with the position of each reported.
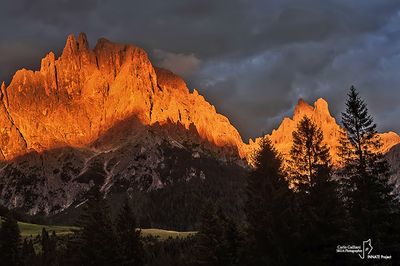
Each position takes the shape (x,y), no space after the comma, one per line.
(320,114)
(74,99)
(108,117)
(393,157)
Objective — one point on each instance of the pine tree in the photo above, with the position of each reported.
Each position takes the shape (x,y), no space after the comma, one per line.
(322,212)
(308,154)
(231,240)
(359,145)
(232,243)
(210,238)
(270,211)
(49,252)
(371,203)
(28,253)
(9,241)
(97,240)
(131,247)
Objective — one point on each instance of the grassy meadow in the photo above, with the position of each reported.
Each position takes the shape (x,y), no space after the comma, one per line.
(28,229)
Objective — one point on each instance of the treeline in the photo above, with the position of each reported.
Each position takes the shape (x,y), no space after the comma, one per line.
(23,216)
(99,241)
(297,211)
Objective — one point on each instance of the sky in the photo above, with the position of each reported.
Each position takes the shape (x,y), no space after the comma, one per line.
(253,60)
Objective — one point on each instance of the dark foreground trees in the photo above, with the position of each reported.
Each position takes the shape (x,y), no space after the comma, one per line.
(373,208)
(309,156)
(304,225)
(131,247)
(271,211)
(323,219)
(97,240)
(9,242)
(101,242)
(218,240)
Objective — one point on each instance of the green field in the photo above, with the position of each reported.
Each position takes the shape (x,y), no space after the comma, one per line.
(35,229)
(163,234)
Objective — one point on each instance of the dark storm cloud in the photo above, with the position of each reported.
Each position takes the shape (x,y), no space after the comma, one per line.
(252,59)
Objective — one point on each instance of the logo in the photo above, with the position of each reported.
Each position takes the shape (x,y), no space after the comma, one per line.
(366,248)
(363,251)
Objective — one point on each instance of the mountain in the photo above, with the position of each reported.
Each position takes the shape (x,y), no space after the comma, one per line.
(74,99)
(107,117)
(320,114)
(393,157)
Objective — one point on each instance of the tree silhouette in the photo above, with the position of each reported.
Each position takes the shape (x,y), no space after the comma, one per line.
(131,247)
(308,154)
(270,210)
(28,253)
(97,240)
(210,238)
(322,213)
(9,241)
(371,203)
(49,246)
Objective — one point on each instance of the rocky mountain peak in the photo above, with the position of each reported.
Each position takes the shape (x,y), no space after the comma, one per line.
(71,46)
(302,108)
(322,106)
(75,98)
(319,113)
(83,43)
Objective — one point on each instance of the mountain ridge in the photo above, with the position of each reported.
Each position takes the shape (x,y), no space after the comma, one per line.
(108,117)
(93,89)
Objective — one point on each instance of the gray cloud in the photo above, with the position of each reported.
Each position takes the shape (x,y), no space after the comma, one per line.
(252,59)
(181,64)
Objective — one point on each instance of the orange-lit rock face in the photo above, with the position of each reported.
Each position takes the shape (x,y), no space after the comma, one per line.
(72,100)
(319,113)
(174,102)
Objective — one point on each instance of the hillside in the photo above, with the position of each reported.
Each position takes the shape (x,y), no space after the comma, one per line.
(105,117)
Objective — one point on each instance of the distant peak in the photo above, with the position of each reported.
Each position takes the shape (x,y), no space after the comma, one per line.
(70,39)
(70,45)
(302,108)
(103,42)
(321,105)
(82,41)
(47,61)
(73,45)
(301,102)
